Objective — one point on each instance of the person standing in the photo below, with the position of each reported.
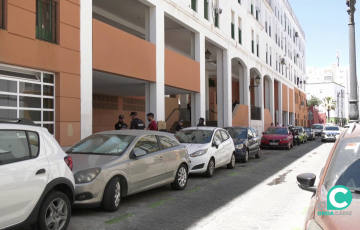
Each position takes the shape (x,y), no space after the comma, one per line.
(121,125)
(152,125)
(180,125)
(201,122)
(136,123)
(272,124)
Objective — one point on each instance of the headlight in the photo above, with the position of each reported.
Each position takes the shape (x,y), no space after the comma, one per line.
(198,153)
(263,138)
(240,146)
(312,225)
(285,139)
(86,176)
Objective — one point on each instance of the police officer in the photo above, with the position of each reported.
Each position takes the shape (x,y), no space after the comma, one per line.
(180,125)
(201,122)
(121,125)
(136,123)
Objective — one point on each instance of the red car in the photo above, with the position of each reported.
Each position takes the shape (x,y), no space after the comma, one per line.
(277,137)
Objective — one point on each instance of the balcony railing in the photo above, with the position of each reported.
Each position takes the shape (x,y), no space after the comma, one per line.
(46,20)
(255,113)
(2,14)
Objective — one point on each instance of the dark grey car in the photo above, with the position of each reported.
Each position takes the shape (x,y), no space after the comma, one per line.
(114,164)
(310,133)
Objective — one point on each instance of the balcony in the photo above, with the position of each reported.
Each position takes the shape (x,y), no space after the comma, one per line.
(46,15)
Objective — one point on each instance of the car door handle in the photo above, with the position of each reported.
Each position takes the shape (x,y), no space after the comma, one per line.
(40,171)
(161,158)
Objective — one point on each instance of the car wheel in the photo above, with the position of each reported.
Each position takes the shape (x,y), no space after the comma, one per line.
(231,165)
(180,179)
(258,155)
(55,212)
(246,157)
(322,140)
(112,195)
(211,168)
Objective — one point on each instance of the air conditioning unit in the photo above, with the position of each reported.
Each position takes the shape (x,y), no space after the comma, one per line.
(218,10)
(296,34)
(283,61)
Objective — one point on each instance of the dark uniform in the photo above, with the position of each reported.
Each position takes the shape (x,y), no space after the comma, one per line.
(201,122)
(120,125)
(137,124)
(178,128)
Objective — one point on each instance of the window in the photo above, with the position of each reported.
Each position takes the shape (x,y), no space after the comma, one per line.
(148,143)
(240,40)
(193,5)
(266,53)
(254,132)
(46,20)
(270,56)
(216,20)
(167,142)
(232,25)
(252,42)
(217,137)
(224,135)
(252,9)
(14,146)
(2,14)
(206,9)
(257,46)
(239,1)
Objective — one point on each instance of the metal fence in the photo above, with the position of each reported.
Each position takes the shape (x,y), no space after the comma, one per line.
(46,24)
(2,14)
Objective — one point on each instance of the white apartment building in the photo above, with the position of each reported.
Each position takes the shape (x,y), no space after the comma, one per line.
(332,81)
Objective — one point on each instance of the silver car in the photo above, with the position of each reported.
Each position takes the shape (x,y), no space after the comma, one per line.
(310,133)
(114,164)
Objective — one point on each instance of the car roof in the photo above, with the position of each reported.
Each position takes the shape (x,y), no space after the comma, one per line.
(21,127)
(278,127)
(201,128)
(133,132)
(242,127)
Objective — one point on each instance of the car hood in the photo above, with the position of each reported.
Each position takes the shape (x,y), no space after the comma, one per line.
(332,132)
(340,221)
(85,161)
(195,147)
(275,136)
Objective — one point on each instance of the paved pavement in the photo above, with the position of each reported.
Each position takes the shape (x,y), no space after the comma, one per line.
(233,199)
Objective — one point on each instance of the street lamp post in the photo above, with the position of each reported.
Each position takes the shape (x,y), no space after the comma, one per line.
(354,109)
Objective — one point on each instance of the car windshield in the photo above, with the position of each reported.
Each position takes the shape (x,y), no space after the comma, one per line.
(102,144)
(317,127)
(276,131)
(332,128)
(194,136)
(307,129)
(344,168)
(237,133)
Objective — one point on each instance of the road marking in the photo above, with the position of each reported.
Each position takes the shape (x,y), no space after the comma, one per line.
(157,204)
(194,190)
(118,219)
(234,174)
(217,181)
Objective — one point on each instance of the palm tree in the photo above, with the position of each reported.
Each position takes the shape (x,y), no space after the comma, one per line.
(329,104)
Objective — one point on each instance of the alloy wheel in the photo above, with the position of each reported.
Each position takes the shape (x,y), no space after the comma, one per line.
(182,176)
(233,160)
(56,214)
(247,156)
(211,167)
(117,194)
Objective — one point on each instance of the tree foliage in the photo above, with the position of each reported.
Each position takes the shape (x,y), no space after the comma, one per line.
(314,101)
(329,104)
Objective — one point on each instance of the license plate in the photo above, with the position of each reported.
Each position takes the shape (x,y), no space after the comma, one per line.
(274,144)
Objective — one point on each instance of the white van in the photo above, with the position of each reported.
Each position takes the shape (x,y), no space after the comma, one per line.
(318,128)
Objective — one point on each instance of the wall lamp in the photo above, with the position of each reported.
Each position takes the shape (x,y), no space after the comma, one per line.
(257,82)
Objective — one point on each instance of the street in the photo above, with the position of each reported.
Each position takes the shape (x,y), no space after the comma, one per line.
(262,194)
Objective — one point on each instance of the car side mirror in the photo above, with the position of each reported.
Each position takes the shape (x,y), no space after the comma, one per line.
(139,152)
(217,143)
(306,181)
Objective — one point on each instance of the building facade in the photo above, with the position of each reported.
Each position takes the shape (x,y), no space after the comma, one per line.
(74,66)
(333,82)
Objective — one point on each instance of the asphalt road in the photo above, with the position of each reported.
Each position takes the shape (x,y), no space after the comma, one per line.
(261,194)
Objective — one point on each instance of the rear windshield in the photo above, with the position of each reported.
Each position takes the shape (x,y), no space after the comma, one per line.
(332,128)
(102,144)
(276,131)
(237,133)
(307,129)
(344,168)
(317,127)
(194,136)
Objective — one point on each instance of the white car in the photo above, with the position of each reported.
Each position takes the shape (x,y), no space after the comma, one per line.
(330,133)
(37,186)
(208,147)
(317,128)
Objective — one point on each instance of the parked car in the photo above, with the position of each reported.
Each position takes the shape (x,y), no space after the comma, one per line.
(208,147)
(330,133)
(246,141)
(302,134)
(341,168)
(114,164)
(295,133)
(318,128)
(310,133)
(37,185)
(277,137)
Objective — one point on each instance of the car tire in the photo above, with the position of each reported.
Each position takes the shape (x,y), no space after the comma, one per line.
(258,155)
(231,165)
(112,195)
(181,178)
(56,204)
(245,160)
(211,168)
(322,140)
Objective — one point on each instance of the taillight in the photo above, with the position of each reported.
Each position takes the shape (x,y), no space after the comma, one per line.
(69,162)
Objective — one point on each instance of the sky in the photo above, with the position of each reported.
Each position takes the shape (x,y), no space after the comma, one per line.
(325,23)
